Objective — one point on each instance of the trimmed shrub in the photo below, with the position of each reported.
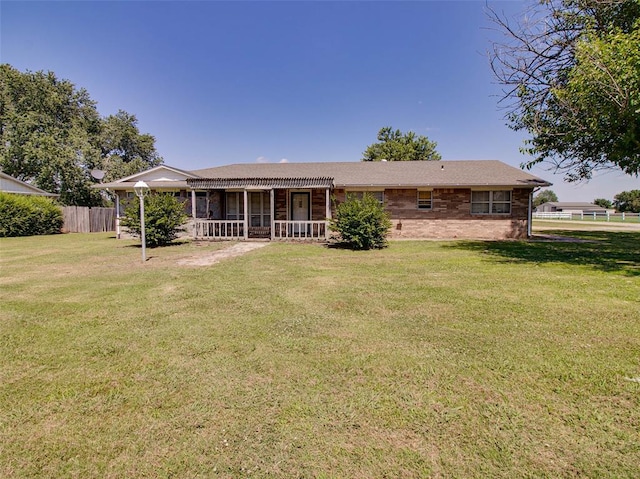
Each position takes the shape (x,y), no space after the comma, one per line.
(362,223)
(29,215)
(163,218)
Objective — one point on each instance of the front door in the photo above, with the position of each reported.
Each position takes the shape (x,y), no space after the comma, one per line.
(299,210)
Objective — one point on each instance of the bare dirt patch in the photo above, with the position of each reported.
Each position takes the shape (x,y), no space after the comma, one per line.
(222,254)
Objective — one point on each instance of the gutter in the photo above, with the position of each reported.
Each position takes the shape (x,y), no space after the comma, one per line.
(530,212)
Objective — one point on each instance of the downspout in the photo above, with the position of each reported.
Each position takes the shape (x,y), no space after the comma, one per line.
(530,212)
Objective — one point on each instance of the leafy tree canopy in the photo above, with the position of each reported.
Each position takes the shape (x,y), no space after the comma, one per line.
(571,72)
(627,201)
(393,145)
(545,196)
(52,136)
(125,151)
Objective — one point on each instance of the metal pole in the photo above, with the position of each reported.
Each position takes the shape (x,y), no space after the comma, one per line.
(144,243)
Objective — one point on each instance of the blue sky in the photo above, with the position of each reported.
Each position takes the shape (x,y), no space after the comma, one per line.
(239,82)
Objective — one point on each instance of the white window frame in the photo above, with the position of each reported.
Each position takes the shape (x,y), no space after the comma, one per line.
(239,216)
(491,202)
(423,203)
(264,213)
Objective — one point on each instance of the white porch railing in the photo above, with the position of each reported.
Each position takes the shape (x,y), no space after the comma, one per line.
(282,230)
(218,229)
(300,230)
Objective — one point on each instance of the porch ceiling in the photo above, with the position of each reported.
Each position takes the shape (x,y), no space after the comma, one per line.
(259,183)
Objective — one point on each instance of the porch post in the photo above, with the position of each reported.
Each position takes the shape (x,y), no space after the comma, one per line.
(194,212)
(246,214)
(328,206)
(117,215)
(272,208)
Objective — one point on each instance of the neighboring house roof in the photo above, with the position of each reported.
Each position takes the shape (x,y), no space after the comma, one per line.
(158,177)
(473,173)
(9,184)
(577,206)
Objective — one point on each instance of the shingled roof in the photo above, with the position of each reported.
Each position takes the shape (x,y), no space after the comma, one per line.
(472,173)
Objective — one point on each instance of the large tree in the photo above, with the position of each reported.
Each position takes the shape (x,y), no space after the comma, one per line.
(125,151)
(628,201)
(571,76)
(393,145)
(48,130)
(52,136)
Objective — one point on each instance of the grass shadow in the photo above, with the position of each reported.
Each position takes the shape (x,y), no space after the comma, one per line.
(168,245)
(609,251)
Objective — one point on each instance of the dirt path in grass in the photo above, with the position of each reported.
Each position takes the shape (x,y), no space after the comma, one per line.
(219,255)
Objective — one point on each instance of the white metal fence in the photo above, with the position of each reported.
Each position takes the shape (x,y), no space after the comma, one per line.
(592,216)
(553,215)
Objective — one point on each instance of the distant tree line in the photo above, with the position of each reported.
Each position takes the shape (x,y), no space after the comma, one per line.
(52,136)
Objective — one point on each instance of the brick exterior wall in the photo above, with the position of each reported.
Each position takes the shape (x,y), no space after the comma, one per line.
(450,215)
(318,205)
(281,205)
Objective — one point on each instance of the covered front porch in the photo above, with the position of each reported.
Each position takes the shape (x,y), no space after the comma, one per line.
(259,208)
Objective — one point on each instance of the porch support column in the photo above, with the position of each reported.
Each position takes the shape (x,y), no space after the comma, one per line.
(194,212)
(328,206)
(272,209)
(246,215)
(117,215)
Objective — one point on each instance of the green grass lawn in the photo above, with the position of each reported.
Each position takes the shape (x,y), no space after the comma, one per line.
(426,359)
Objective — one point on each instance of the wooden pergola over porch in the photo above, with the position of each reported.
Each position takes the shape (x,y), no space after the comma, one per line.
(298,208)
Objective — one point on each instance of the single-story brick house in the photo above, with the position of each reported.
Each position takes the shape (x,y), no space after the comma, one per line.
(425,199)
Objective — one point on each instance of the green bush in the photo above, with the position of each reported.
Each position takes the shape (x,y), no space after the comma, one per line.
(362,223)
(28,215)
(163,218)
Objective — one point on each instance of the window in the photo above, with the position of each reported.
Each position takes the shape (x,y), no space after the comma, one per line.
(235,206)
(259,206)
(490,202)
(424,200)
(378,195)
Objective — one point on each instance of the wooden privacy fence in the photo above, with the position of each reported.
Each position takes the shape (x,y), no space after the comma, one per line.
(82,219)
